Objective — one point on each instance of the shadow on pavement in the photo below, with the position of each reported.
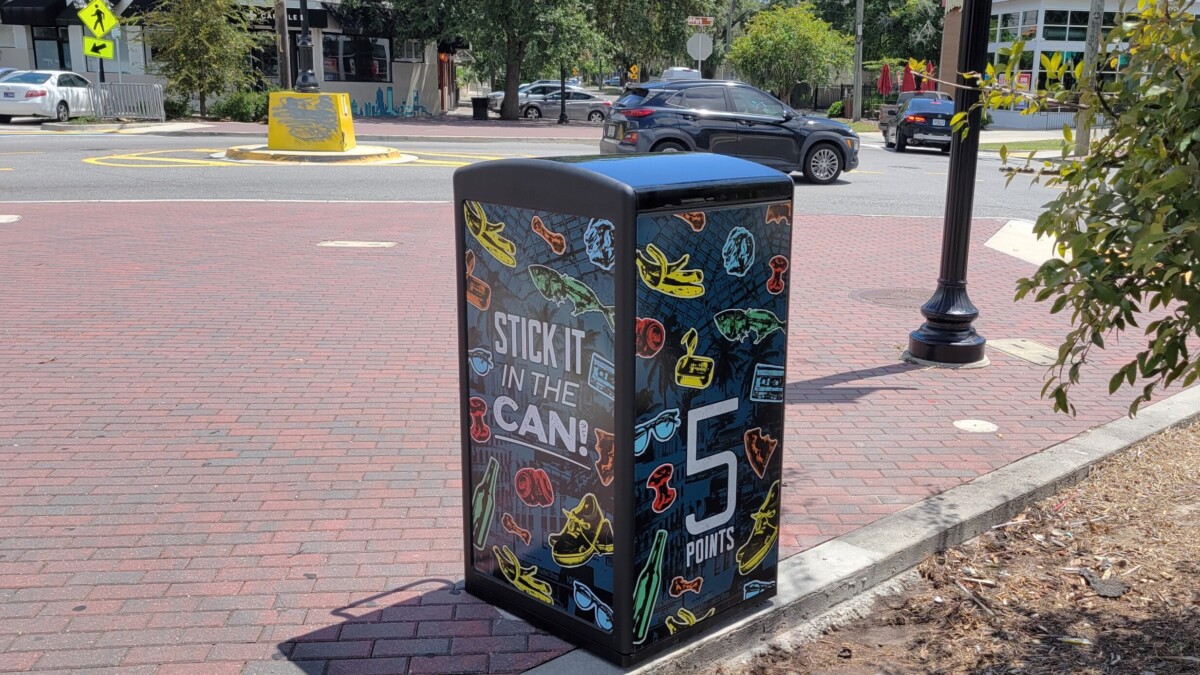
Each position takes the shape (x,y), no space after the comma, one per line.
(826,390)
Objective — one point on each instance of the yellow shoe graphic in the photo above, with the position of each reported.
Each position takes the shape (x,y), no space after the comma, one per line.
(586,533)
(671,278)
(766,532)
(488,234)
(522,577)
(684,618)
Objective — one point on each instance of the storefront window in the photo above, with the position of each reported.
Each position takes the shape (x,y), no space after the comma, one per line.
(1062,25)
(356,58)
(411,50)
(51,48)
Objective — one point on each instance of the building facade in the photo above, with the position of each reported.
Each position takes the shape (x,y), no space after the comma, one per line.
(384,77)
(1047,27)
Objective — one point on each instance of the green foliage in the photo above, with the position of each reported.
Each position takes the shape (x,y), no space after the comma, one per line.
(837,109)
(788,45)
(242,106)
(201,47)
(176,107)
(1127,222)
(912,28)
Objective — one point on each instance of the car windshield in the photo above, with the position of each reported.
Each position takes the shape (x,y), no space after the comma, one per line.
(930,105)
(27,78)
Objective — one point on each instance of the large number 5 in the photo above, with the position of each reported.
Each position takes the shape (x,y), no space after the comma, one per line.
(697,465)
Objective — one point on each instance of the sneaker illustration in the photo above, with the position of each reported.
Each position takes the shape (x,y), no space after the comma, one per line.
(521,576)
(586,533)
(764,535)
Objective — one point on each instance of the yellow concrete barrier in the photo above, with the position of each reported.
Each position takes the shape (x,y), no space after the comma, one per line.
(313,122)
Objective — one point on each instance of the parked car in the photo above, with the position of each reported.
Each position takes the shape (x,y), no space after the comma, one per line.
(573,82)
(614,81)
(730,118)
(5,72)
(923,122)
(888,110)
(534,92)
(681,74)
(55,94)
(581,105)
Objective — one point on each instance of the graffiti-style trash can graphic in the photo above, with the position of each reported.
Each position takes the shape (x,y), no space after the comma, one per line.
(623,343)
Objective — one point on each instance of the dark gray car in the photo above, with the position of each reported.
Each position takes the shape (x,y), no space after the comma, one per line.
(730,118)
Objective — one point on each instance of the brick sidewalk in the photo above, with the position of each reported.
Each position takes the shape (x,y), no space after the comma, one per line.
(225,450)
(446,126)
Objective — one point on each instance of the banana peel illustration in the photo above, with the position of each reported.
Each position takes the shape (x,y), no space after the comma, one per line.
(521,576)
(488,234)
(670,278)
(684,618)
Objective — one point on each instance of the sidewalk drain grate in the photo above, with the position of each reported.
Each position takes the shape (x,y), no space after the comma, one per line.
(1027,350)
(894,297)
(357,244)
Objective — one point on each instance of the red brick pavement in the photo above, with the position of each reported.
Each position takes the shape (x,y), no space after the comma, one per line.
(447,126)
(225,450)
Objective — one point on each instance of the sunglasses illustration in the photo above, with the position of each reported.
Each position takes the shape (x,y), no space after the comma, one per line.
(586,600)
(480,361)
(661,427)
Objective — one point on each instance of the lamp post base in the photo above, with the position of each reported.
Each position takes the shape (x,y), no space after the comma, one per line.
(948,337)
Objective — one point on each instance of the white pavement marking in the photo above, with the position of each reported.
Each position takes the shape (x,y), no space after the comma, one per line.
(976,426)
(9,219)
(1017,239)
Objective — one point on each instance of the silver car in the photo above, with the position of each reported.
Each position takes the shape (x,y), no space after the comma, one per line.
(581,105)
(534,92)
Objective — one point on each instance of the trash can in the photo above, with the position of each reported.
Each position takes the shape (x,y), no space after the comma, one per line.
(623,344)
(479,108)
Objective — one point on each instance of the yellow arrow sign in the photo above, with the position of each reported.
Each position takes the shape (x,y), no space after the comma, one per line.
(101,49)
(98,18)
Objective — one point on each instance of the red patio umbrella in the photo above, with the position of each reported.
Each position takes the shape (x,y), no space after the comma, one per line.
(885,80)
(908,82)
(928,84)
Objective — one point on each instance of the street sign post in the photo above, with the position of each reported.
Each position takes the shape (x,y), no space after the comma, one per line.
(101,49)
(700,47)
(100,21)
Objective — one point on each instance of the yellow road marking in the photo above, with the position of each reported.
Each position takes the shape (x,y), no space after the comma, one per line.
(436,162)
(5,169)
(23,153)
(151,159)
(454,154)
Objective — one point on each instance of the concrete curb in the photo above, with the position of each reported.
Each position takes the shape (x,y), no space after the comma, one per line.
(816,580)
(116,126)
(381,138)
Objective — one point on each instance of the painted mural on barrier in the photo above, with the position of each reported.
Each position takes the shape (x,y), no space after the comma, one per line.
(384,105)
(540,363)
(710,374)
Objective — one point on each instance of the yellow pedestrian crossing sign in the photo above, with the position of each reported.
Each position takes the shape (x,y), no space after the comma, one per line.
(98,19)
(101,49)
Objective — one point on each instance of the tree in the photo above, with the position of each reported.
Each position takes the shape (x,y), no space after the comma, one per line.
(785,46)
(201,47)
(651,34)
(904,28)
(1127,222)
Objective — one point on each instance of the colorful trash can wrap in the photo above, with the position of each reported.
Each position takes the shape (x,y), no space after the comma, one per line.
(623,333)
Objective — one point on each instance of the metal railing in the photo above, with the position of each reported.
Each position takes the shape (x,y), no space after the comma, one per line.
(113,100)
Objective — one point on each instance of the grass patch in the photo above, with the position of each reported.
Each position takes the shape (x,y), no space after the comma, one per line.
(861,126)
(1022,146)
(85,120)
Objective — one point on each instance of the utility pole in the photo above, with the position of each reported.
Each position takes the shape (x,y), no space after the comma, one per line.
(858,59)
(285,45)
(1091,52)
(728,42)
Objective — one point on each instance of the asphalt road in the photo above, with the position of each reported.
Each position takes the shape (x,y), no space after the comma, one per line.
(52,167)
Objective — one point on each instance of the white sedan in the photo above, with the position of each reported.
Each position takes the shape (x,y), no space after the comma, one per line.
(55,94)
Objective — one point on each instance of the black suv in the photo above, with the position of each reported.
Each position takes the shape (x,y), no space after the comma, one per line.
(730,118)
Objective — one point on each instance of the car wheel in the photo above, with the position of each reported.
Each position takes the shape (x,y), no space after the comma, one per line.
(823,164)
(668,146)
(532,113)
(886,142)
(901,143)
(946,149)
(63,113)
(595,116)
(5,119)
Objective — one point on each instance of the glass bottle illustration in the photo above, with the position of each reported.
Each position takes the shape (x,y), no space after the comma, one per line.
(483,503)
(645,591)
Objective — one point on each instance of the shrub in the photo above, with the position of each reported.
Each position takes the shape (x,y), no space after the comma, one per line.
(176,108)
(836,110)
(242,106)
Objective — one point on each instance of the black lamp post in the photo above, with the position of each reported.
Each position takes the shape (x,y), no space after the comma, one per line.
(306,80)
(562,93)
(947,336)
